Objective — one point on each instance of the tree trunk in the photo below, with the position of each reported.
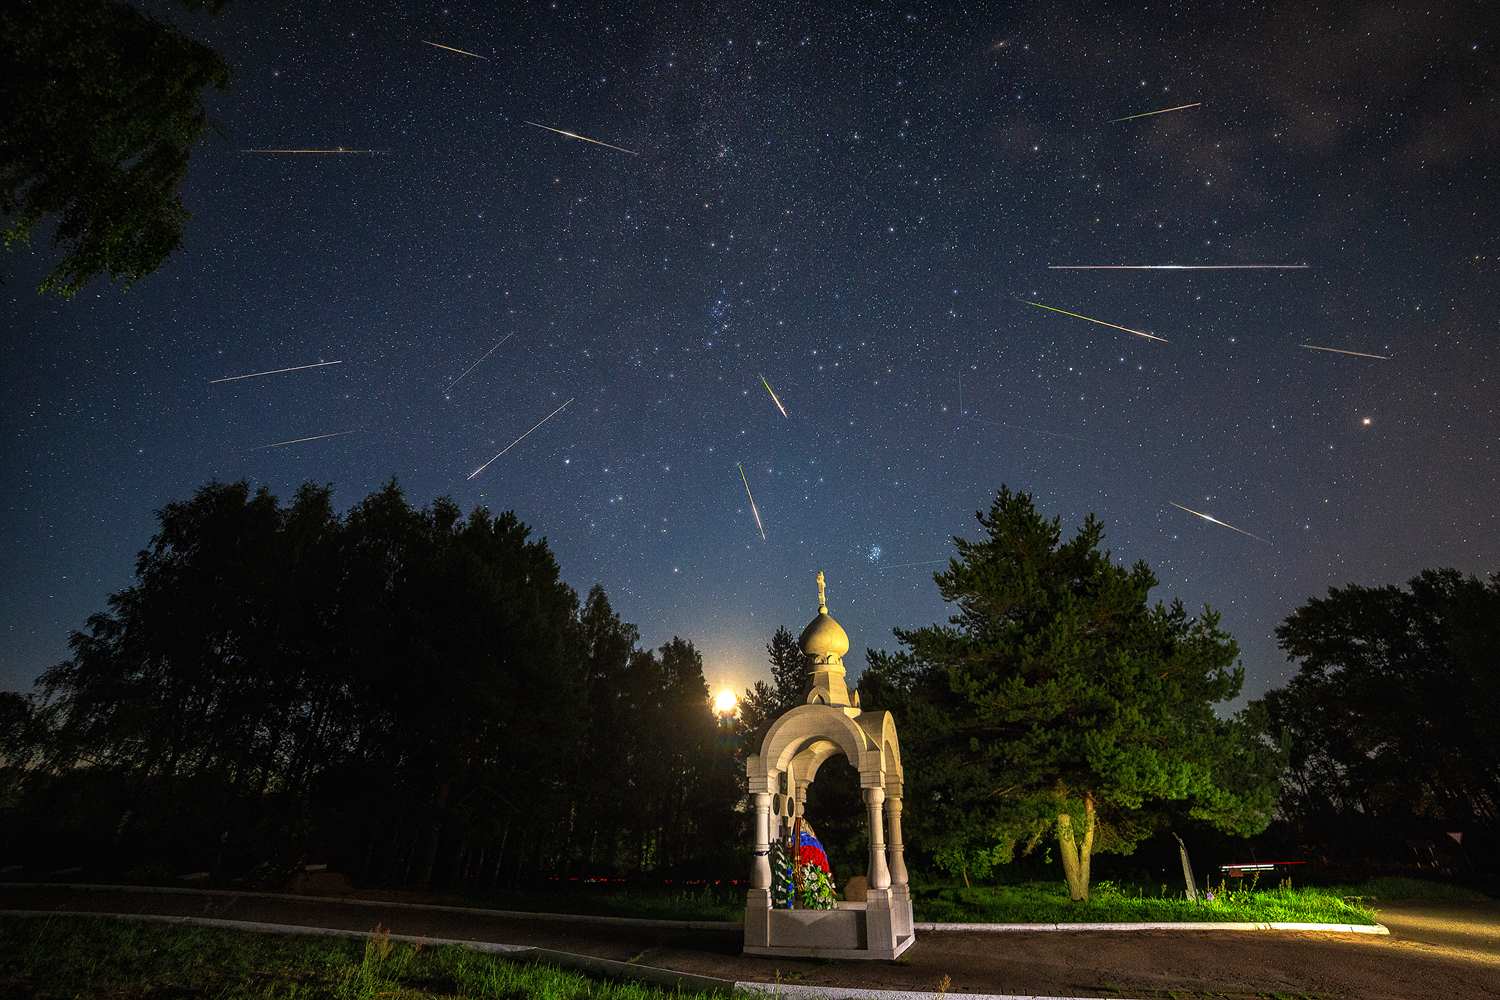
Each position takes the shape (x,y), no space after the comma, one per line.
(435,830)
(1187,871)
(1076,856)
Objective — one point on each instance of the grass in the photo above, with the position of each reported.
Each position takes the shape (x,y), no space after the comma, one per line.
(98,958)
(1048,903)
(1039,902)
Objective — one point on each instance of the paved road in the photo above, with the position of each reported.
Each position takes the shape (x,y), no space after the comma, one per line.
(1470,930)
(1437,951)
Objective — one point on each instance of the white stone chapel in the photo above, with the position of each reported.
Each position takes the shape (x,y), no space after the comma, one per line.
(830,722)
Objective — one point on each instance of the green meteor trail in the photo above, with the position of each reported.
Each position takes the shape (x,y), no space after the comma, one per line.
(773,395)
(1138,333)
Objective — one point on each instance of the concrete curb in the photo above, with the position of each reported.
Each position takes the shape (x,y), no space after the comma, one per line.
(843,993)
(711,925)
(1166,925)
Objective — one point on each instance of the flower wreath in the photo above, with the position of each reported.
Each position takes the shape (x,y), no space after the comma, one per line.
(810,873)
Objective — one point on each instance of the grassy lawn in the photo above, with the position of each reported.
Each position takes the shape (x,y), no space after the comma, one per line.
(1047,902)
(1030,903)
(89,958)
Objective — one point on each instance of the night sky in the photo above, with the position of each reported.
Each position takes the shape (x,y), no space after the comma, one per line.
(856,202)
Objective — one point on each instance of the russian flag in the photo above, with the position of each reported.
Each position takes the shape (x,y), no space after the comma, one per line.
(810,852)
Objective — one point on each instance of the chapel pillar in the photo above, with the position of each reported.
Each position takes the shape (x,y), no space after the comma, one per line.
(878,876)
(760,873)
(893,819)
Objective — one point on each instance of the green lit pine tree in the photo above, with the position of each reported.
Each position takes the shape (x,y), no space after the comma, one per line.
(1058,702)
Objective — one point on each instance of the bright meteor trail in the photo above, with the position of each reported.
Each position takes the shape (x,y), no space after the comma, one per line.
(476,364)
(1172,267)
(315,437)
(1138,333)
(341,149)
(574,135)
(773,396)
(1148,114)
(450,48)
(752,501)
(518,440)
(274,371)
(1215,520)
(1335,350)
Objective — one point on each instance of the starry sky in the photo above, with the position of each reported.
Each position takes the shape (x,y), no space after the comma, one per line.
(857,202)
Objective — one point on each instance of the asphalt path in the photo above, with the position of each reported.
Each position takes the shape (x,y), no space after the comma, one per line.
(1435,949)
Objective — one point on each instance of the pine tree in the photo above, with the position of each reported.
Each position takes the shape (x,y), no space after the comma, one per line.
(1057,702)
(764,703)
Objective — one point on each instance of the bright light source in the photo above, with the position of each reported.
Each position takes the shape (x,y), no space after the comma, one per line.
(725,701)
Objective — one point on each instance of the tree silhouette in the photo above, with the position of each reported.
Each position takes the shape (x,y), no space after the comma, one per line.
(411,694)
(100,106)
(1390,715)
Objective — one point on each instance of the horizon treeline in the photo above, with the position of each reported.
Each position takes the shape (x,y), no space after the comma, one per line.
(416,699)
(412,697)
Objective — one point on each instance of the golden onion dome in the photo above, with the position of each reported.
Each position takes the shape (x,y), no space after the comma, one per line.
(823,636)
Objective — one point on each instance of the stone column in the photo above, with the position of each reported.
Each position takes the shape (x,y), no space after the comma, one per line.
(879,876)
(758,898)
(760,871)
(893,819)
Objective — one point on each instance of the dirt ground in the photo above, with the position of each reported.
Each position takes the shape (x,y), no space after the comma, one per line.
(1435,950)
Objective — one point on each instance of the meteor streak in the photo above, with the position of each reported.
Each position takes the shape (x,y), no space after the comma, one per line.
(1033,430)
(574,135)
(274,371)
(450,48)
(1172,267)
(341,149)
(1138,333)
(315,437)
(752,501)
(1148,114)
(1215,520)
(773,396)
(518,440)
(477,363)
(1335,350)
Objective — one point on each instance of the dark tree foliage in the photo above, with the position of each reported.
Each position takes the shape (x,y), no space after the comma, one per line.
(764,703)
(653,785)
(99,108)
(412,695)
(1058,702)
(1391,715)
